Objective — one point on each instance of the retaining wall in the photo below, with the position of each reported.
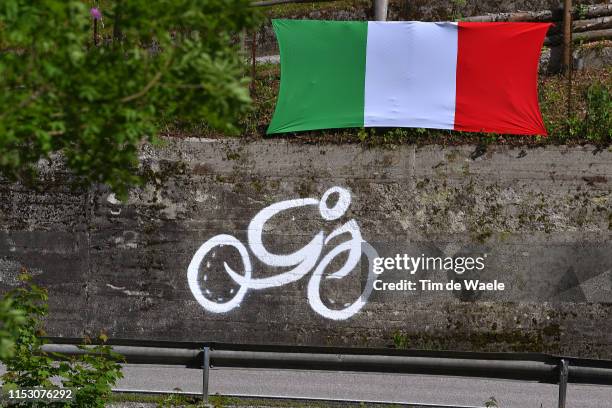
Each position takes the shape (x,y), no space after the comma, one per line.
(541,216)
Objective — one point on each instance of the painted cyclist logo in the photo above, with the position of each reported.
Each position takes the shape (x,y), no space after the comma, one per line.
(303,261)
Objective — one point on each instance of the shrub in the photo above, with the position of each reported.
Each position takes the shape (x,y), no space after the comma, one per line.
(11,319)
(91,375)
(95,95)
(597,125)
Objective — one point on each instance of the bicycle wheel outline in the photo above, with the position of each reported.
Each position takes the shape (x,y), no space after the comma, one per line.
(314,284)
(193,271)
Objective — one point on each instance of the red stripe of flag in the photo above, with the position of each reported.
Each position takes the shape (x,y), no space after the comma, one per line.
(497,78)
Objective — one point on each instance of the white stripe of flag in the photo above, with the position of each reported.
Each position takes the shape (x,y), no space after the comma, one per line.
(410,78)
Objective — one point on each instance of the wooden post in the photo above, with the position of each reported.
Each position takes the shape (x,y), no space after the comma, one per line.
(95,32)
(117,21)
(254,60)
(243,49)
(567,51)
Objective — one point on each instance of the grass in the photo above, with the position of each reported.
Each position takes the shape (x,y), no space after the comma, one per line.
(218,401)
(591,92)
(590,97)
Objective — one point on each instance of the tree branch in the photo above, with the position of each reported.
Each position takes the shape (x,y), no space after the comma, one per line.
(149,85)
(24,102)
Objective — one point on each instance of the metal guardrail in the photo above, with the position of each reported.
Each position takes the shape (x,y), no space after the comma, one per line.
(538,367)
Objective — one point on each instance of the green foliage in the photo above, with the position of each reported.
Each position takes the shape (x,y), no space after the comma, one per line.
(11,319)
(91,375)
(400,341)
(595,122)
(574,126)
(491,403)
(389,137)
(457,5)
(27,367)
(214,401)
(96,101)
(581,11)
(598,119)
(362,134)
(174,400)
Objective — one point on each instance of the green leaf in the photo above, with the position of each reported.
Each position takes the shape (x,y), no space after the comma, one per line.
(98,104)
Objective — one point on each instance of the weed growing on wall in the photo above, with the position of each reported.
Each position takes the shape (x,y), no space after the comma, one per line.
(491,403)
(91,375)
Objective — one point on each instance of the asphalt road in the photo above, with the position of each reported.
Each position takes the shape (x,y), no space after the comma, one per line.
(452,391)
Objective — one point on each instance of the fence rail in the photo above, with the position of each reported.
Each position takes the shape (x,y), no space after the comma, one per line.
(510,366)
(591,22)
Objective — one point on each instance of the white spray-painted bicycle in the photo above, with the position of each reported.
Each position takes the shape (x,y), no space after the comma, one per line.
(303,261)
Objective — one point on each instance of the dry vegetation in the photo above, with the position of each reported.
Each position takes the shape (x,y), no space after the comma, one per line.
(563,129)
(590,120)
(302,9)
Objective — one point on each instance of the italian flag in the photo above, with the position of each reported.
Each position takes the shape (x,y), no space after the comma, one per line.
(475,77)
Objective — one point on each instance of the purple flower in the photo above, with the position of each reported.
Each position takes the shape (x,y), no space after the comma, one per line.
(95,12)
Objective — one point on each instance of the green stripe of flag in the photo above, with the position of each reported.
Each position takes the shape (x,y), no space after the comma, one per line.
(323,75)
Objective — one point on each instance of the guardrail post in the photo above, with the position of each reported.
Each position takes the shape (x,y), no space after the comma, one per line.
(563,377)
(380,10)
(205,373)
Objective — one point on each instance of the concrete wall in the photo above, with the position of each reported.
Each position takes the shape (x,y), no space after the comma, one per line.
(543,217)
